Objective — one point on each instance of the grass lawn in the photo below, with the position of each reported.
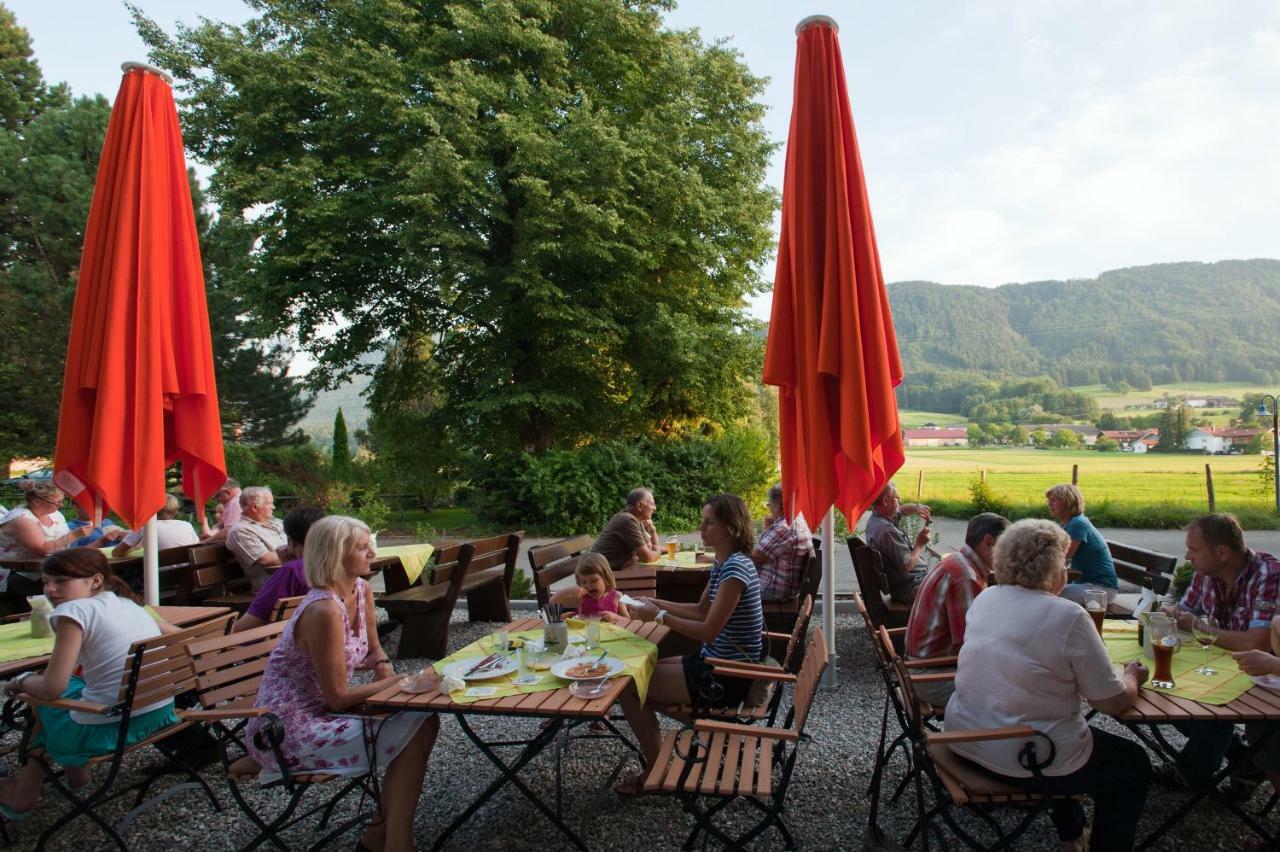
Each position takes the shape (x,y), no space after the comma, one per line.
(1108,400)
(916,419)
(1121,489)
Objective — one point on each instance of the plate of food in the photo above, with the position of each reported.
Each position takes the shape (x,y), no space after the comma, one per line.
(587,668)
(501,667)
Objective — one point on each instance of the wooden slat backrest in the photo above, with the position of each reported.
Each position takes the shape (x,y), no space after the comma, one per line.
(815,663)
(1148,560)
(797,632)
(508,545)
(553,562)
(163,667)
(812,580)
(637,581)
(871,582)
(286,607)
(214,565)
(902,680)
(488,560)
(228,669)
(451,564)
(172,556)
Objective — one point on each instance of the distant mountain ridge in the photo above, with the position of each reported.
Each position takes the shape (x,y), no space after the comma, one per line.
(1165,323)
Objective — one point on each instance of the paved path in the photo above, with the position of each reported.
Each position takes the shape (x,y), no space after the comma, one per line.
(951,531)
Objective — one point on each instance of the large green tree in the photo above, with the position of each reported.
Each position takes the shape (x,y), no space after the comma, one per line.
(566,199)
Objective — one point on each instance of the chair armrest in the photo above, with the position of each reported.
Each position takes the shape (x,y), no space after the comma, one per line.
(67,704)
(896,631)
(1013,732)
(739,664)
(775,675)
(767,634)
(224,714)
(931,662)
(714,727)
(933,677)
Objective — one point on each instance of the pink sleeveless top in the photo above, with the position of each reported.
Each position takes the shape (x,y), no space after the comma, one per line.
(595,606)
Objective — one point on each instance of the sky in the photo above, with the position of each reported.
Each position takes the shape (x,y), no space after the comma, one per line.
(1001,141)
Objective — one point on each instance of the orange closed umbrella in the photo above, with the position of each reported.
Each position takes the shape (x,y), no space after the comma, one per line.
(831,351)
(139,393)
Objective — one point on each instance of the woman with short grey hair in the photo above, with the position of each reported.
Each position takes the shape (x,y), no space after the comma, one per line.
(1029,658)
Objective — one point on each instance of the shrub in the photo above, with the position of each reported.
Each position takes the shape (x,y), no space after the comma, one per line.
(562,492)
(983,498)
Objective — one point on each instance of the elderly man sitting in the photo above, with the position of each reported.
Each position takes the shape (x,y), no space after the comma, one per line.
(900,556)
(781,552)
(170,530)
(258,539)
(630,535)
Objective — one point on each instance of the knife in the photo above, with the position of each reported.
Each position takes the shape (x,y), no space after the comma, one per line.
(487,661)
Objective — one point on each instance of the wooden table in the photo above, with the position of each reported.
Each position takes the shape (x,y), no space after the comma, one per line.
(556,706)
(680,579)
(1154,708)
(178,616)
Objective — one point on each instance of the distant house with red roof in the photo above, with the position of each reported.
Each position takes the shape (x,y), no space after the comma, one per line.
(935,437)
(1134,440)
(1219,439)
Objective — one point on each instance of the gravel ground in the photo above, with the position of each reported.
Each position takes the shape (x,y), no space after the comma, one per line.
(827,805)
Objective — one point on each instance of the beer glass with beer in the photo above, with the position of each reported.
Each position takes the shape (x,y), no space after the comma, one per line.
(1095,603)
(1164,644)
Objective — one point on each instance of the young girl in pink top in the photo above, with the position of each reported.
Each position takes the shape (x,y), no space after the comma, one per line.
(596,592)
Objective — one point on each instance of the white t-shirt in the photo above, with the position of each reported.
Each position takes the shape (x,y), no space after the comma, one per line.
(111,624)
(11,548)
(1028,658)
(170,533)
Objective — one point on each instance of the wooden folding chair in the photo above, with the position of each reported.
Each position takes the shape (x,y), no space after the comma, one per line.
(228,671)
(728,761)
(157,669)
(551,563)
(958,783)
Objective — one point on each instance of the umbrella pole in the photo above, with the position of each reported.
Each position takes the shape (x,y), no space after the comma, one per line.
(829,677)
(151,563)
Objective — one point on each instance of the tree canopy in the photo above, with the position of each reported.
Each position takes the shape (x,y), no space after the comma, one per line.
(564,199)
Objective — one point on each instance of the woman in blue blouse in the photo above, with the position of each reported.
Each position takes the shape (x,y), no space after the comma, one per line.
(728,621)
(1088,552)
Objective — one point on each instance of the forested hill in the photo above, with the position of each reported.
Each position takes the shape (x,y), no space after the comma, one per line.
(1176,322)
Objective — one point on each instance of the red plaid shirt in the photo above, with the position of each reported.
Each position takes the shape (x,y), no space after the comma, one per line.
(787,547)
(1249,603)
(936,625)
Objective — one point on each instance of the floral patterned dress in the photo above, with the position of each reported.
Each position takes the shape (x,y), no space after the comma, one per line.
(316,739)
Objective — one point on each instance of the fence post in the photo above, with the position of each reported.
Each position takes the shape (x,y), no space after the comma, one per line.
(1208,484)
(920,485)
(1075,474)
(982,474)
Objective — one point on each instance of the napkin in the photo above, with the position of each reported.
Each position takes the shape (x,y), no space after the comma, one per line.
(452,683)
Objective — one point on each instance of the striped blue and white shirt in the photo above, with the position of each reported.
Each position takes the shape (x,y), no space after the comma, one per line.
(740,639)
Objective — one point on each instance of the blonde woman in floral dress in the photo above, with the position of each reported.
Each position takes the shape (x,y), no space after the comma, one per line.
(308,685)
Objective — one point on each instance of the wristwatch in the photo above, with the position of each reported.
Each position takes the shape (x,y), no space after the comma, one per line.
(18,681)
(661,616)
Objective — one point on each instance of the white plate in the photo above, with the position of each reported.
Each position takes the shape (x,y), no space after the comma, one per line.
(501,668)
(561,668)
(1269,681)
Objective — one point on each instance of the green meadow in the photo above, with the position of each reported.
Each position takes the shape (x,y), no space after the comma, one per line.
(1121,489)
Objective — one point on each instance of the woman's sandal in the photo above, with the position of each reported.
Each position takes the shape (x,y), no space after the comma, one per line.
(14,816)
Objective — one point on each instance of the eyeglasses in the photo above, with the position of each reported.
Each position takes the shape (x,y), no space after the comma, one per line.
(54,503)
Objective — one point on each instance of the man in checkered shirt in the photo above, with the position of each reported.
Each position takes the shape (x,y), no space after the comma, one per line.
(781,552)
(1240,588)
(936,625)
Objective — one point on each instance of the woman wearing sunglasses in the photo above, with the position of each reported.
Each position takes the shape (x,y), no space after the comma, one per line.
(37,529)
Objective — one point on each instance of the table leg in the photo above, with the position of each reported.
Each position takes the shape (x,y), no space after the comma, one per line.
(509,774)
(1156,741)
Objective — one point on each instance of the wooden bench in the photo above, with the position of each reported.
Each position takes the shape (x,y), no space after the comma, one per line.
(1141,567)
(217,578)
(481,569)
(551,563)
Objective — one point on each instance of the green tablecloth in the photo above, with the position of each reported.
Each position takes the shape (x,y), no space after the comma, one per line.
(639,659)
(1121,639)
(414,558)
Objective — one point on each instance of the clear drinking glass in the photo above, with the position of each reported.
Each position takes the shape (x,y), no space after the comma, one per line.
(500,641)
(1095,603)
(525,661)
(1205,629)
(593,631)
(673,544)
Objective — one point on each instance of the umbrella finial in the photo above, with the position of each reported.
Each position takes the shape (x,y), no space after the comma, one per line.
(813,20)
(126,67)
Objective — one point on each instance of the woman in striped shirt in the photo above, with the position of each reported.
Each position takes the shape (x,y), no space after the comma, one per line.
(728,620)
